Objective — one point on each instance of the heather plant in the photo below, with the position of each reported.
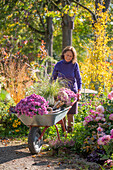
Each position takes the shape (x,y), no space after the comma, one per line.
(73,141)
(16,74)
(55,144)
(61,144)
(97,67)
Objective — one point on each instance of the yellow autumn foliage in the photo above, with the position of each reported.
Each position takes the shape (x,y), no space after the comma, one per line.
(97,67)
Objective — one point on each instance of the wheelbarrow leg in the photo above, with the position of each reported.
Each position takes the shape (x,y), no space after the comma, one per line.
(63,126)
(43,131)
(58,133)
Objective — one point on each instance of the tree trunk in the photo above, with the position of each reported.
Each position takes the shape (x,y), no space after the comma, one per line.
(49,36)
(67,26)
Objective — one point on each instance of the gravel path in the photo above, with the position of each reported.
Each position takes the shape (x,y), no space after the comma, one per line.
(15,155)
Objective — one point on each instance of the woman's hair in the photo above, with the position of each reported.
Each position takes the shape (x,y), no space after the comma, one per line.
(72,49)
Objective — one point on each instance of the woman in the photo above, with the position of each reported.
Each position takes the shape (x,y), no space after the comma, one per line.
(67,71)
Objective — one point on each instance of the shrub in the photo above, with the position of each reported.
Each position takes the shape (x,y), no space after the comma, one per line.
(16,74)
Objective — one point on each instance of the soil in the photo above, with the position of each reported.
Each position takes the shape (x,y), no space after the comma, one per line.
(15,155)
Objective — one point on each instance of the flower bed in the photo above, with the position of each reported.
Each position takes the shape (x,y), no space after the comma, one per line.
(99,124)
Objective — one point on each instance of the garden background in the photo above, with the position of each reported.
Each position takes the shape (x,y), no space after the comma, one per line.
(32,36)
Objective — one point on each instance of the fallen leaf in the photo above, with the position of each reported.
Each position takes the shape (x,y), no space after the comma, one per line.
(59,163)
(34,156)
(43,153)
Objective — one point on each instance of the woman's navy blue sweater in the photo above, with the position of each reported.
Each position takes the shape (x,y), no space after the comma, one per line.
(70,73)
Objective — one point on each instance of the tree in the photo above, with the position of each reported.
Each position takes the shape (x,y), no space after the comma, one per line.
(104,3)
(31,14)
(29,22)
(97,69)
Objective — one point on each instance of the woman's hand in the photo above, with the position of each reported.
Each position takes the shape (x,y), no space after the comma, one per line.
(79,95)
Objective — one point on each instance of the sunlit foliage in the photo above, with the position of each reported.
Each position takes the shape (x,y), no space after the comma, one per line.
(97,67)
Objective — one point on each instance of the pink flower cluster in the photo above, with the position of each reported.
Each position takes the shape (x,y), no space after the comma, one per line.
(67,96)
(111,132)
(95,115)
(99,115)
(110,95)
(111,117)
(32,105)
(104,139)
(109,163)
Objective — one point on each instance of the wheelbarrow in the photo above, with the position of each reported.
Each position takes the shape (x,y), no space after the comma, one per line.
(35,136)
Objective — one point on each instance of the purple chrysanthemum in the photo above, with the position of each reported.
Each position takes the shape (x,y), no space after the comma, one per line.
(32,105)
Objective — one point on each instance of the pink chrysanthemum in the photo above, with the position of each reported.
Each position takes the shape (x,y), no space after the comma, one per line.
(104,140)
(100,109)
(99,129)
(101,115)
(98,118)
(111,132)
(111,117)
(88,119)
(100,142)
(110,95)
(66,95)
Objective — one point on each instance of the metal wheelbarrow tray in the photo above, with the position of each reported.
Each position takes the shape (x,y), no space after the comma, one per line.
(44,120)
(35,136)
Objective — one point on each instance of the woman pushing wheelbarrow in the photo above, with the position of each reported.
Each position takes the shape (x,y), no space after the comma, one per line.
(34,110)
(67,71)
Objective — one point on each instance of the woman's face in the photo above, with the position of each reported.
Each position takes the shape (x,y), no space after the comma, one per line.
(68,56)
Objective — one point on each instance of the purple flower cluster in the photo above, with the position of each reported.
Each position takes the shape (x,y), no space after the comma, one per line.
(32,105)
(67,96)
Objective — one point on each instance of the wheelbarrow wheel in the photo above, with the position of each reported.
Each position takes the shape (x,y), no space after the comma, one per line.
(34,143)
